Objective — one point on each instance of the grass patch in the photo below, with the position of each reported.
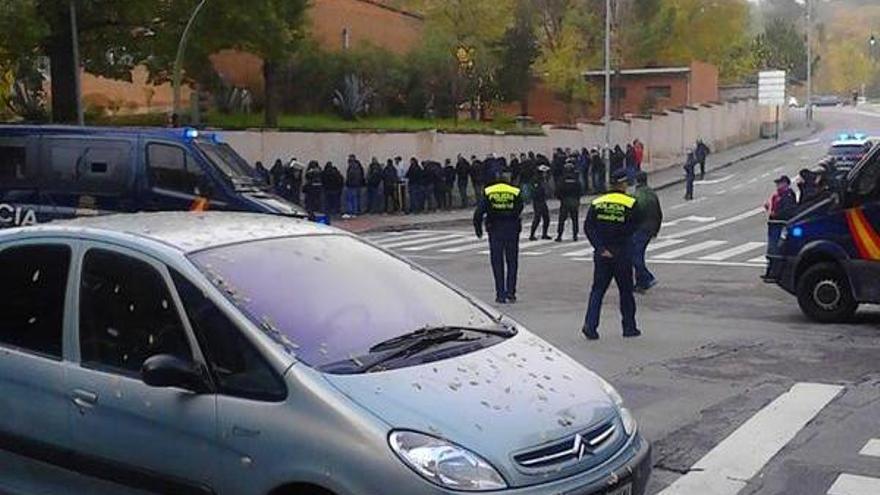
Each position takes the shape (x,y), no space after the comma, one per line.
(331,123)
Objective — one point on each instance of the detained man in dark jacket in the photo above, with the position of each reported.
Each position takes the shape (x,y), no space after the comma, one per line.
(462,176)
(313,190)
(650,216)
(374,182)
(355,181)
(390,183)
(569,193)
(448,183)
(333,184)
(415,176)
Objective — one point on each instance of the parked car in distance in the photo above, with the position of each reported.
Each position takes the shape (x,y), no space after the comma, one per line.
(247,354)
(827,101)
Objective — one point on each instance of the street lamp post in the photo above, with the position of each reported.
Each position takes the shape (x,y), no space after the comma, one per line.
(607,152)
(178,60)
(77,78)
(809,5)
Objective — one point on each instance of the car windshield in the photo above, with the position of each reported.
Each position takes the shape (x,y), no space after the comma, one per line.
(333,297)
(847,150)
(230,163)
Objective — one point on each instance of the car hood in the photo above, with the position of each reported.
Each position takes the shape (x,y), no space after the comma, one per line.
(516,395)
(274,204)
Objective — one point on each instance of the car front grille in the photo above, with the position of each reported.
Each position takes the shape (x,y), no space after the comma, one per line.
(589,447)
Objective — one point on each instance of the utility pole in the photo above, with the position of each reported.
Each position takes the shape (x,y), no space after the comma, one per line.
(607,152)
(809,5)
(77,78)
(178,60)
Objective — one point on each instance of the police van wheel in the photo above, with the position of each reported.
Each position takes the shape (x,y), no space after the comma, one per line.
(824,294)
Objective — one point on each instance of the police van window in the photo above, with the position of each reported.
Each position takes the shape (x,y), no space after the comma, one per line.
(238,368)
(126,314)
(100,167)
(32,293)
(171,169)
(13,160)
(868,181)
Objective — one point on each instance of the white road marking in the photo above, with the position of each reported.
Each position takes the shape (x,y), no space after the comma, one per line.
(691,218)
(725,264)
(410,242)
(735,251)
(807,142)
(721,192)
(689,203)
(765,175)
(850,484)
(759,259)
(662,244)
(531,245)
(871,449)
(477,244)
(720,223)
(408,235)
(779,169)
(461,240)
(752,181)
(737,187)
(678,253)
(714,181)
(738,458)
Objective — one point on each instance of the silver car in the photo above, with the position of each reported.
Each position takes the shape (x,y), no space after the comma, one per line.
(247,354)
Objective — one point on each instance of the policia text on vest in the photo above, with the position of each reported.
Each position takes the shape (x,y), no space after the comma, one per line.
(500,209)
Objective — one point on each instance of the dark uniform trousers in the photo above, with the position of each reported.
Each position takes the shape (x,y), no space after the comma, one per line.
(569,208)
(504,251)
(542,215)
(620,269)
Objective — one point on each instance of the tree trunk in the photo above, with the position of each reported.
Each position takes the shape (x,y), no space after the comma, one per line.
(62,67)
(270,88)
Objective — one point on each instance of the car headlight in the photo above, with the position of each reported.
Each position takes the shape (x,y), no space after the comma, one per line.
(444,463)
(783,236)
(626,417)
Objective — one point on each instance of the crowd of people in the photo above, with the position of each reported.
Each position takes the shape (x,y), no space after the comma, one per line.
(419,186)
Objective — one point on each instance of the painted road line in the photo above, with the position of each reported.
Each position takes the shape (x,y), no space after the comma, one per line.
(806,143)
(409,235)
(759,259)
(410,242)
(663,244)
(720,223)
(721,192)
(693,248)
(477,244)
(735,251)
(692,218)
(850,484)
(871,449)
(453,242)
(738,458)
(531,245)
(713,181)
(722,264)
(689,203)
(579,253)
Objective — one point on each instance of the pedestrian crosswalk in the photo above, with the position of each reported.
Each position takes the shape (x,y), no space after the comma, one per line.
(852,484)
(452,243)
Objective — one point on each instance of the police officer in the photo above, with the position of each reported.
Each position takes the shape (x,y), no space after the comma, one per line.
(690,174)
(570,200)
(610,224)
(539,203)
(500,207)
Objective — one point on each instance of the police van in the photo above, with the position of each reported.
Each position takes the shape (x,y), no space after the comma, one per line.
(829,253)
(56,172)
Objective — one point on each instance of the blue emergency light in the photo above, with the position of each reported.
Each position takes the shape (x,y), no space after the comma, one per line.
(190,133)
(797,232)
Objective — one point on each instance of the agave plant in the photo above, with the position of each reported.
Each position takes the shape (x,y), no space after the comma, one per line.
(353,100)
(26,97)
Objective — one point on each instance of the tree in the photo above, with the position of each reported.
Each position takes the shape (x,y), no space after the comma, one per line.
(570,42)
(782,46)
(520,51)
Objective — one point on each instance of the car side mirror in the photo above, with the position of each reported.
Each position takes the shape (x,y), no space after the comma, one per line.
(166,371)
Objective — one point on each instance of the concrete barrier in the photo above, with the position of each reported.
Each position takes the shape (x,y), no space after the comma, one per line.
(666,135)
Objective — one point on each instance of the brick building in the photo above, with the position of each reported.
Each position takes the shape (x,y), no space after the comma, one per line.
(334,24)
(638,91)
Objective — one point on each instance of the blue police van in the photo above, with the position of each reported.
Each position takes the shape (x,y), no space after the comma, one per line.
(57,172)
(829,252)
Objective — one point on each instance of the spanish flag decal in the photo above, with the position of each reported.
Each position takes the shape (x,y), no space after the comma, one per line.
(866,238)
(199,204)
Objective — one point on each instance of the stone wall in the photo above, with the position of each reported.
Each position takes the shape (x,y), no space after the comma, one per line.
(665,135)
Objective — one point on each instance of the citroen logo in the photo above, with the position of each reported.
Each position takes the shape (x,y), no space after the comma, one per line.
(579,448)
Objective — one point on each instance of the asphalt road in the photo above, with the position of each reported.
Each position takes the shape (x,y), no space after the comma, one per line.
(723,355)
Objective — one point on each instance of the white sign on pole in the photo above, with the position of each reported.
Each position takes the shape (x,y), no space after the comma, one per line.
(771,87)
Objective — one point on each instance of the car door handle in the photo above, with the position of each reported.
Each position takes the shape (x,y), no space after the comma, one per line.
(83,399)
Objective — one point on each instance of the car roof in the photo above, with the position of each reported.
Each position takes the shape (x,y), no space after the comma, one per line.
(70,130)
(186,232)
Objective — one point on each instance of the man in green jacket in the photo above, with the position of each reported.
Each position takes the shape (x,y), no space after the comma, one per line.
(651,218)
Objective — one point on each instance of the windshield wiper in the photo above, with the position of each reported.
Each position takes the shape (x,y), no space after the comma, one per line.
(434,332)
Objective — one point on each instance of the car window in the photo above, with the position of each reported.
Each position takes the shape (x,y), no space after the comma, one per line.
(171,168)
(327,298)
(13,162)
(237,367)
(93,166)
(126,314)
(32,293)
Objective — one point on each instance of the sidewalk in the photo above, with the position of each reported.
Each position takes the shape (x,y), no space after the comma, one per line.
(660,179)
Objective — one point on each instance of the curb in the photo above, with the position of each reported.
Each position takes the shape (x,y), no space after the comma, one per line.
(666,185)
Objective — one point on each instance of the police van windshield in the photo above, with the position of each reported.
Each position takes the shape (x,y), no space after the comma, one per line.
(233,166)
